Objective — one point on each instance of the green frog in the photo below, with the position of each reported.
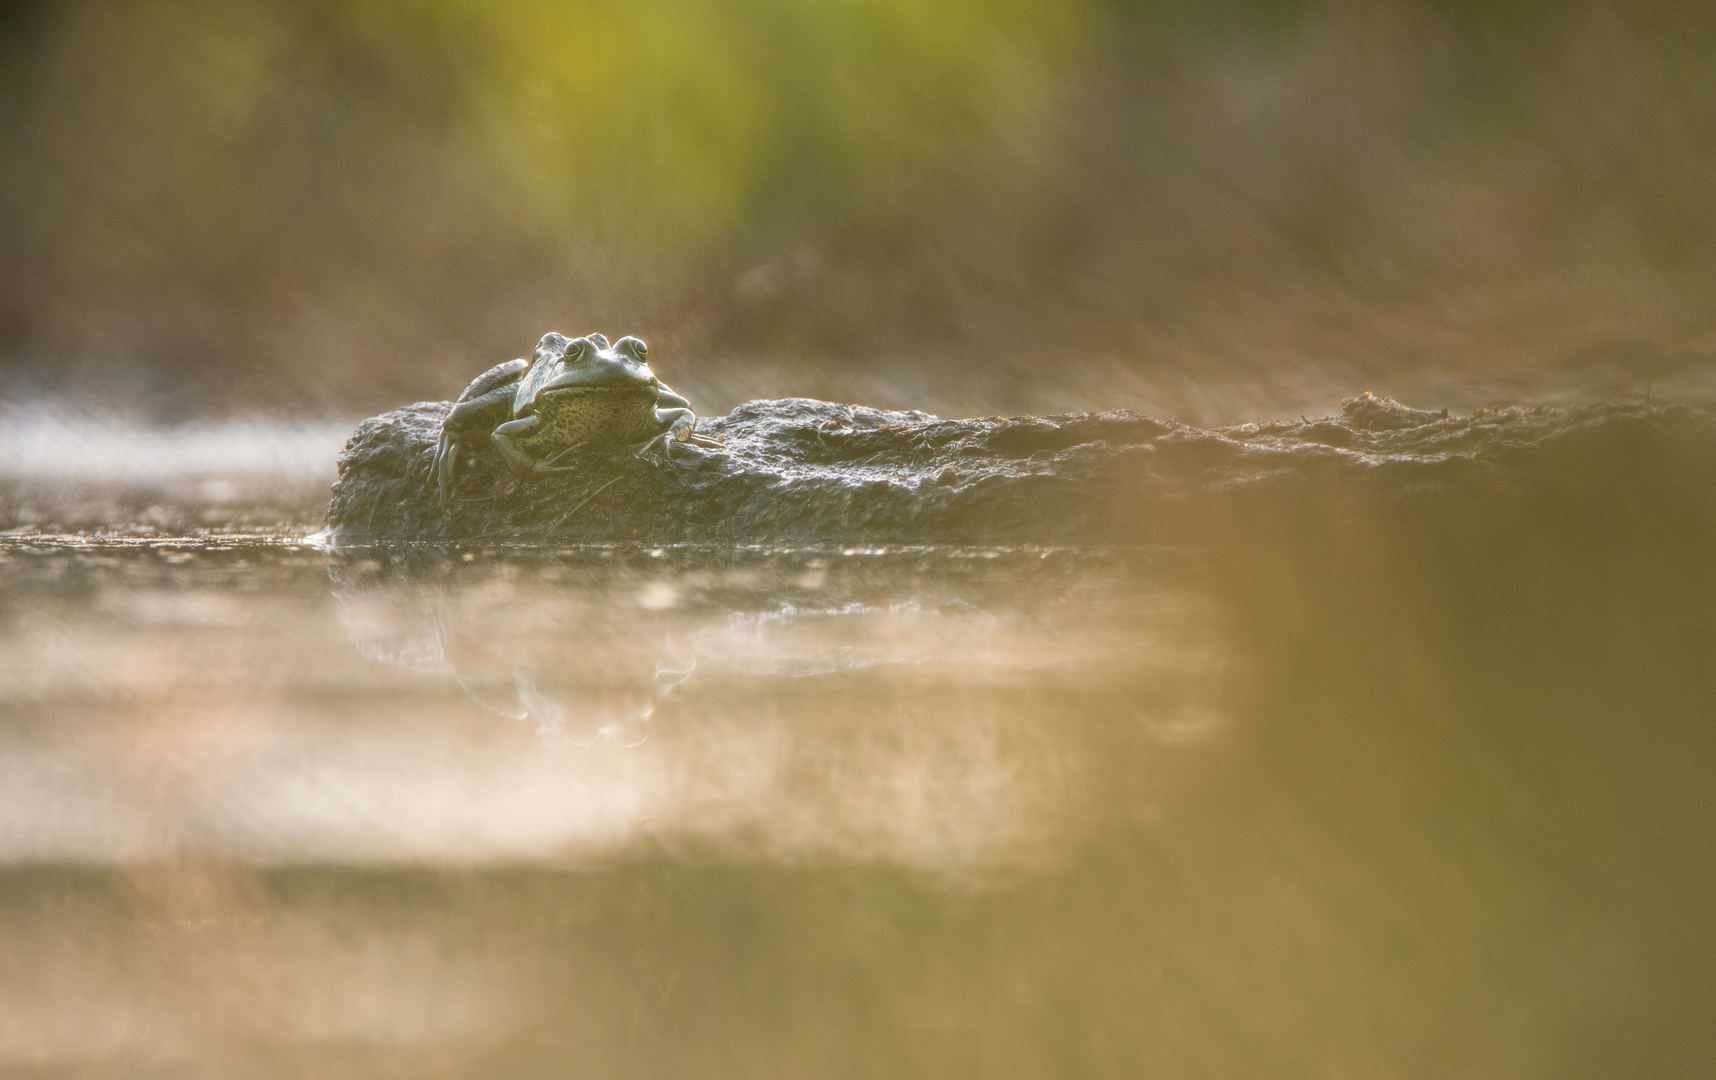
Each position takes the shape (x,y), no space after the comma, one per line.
(575,393)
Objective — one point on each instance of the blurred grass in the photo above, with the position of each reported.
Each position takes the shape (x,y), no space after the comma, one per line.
(218,204)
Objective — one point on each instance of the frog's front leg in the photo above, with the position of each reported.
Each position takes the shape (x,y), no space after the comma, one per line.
(521,464)
(675,414)
(677,422)
(517,461)
(674,422)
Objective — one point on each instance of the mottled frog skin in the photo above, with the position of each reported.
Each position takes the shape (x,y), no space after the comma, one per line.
(573,394)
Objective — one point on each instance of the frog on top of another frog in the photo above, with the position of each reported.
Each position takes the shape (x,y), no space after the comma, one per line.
(573,394)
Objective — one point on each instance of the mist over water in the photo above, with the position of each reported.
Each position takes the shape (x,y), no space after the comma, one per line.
(53,441)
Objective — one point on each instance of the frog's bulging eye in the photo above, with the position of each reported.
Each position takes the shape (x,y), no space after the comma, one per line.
(632,346)
(580,350)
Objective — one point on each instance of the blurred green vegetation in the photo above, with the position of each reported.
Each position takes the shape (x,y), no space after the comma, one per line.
(1015,203)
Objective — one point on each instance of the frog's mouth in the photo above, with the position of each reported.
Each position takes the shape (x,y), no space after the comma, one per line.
(615,385)
(603,389)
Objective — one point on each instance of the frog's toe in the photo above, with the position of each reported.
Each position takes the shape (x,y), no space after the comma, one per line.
(446,457)
(564,461)
(659,448)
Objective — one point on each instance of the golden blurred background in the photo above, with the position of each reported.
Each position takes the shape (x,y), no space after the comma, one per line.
(335,206)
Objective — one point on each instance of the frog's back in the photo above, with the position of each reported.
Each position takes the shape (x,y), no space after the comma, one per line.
(493,377)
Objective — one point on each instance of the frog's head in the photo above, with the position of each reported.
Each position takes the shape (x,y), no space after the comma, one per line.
(585,365)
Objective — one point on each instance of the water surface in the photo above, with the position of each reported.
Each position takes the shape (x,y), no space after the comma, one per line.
(1336,807)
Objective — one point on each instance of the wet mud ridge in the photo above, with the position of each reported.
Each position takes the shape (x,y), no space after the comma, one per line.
(814,472)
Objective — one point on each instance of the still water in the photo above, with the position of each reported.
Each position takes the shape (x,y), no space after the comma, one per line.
(1375,791)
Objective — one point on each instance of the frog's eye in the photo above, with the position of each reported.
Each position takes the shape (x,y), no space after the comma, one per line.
(633,347)
(580,350)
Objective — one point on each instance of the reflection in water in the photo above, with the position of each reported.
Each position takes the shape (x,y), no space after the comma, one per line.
(580,682)
(862,705)
(586,657)
(931,709)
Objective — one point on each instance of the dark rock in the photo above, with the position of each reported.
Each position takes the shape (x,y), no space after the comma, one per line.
(1367,412)
(798,471)
(788,471)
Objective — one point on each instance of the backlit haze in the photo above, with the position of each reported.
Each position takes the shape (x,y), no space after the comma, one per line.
(1375,740)
(1226,211)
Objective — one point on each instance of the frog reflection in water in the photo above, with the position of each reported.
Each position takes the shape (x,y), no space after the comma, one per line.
(575,394)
